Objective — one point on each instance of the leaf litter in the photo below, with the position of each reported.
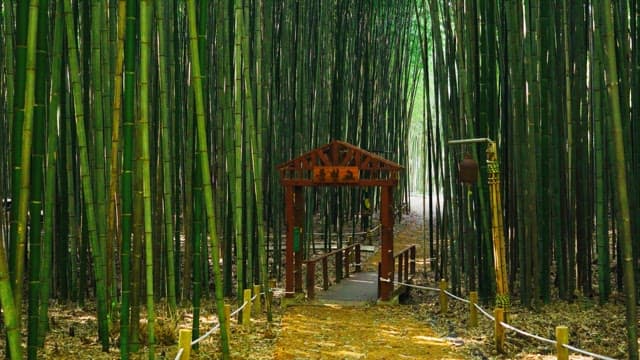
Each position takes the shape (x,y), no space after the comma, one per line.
(415,330)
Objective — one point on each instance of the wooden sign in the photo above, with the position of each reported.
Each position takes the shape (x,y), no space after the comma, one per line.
(336,174)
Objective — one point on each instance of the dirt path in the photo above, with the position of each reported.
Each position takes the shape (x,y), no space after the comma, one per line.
(375,332)
(333,331)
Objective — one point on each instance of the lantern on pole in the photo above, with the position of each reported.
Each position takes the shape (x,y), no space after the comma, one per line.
(495,201)
(468,170)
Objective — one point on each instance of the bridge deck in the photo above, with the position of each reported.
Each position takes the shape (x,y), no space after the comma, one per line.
(358,287)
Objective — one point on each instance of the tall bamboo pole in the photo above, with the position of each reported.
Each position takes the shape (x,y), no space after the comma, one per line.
(237,190)
(51,161)
(145,50)
(162,28)
(37,181)
(9,310)
(27,137)
(203,158)
(85,175)
(620,177)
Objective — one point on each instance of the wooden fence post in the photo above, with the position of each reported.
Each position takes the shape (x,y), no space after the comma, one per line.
(358,257)
(444,300)
(257,303)
(347,262)
(473,312)
(325,273)
(311,280)
(338,266)
(246,313)
(562,338)
(184,343)
(499,329)
(412,260)
(406,265)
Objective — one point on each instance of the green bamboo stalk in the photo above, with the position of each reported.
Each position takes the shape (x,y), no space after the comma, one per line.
(85,176)
(114,154)
(50,181)
(22,17)
(237,189)
(97,115)
(136,249)
(258,146)
(620,177)
(145,50)
(128,29)
(206,173)
(225,97)
(599,141)
(166,151)
(74,227)
(9,310)
(10,66)
(27,138)
(570,275)
(37,169)
(248,128)
(545,164)
(197,249)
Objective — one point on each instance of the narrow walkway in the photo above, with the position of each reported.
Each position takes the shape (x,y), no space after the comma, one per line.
(344,323)
(359,287)
(366,332)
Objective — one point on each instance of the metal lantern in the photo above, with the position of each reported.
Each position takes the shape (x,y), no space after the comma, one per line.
(468,170)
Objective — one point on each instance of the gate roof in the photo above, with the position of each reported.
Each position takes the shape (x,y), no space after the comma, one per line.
(364,168)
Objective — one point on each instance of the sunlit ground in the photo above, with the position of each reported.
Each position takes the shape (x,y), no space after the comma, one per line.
(376,332)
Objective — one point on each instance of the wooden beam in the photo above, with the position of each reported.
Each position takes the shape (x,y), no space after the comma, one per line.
(385,277)
(290,223)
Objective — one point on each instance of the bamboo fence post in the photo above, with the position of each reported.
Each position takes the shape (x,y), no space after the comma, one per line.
(246,313)
(269,298)
(499,329)
(562,338)
(184,343)
(444,301)
(257,303)
(473,312)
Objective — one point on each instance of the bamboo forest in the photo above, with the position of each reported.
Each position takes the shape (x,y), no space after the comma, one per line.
(319,179)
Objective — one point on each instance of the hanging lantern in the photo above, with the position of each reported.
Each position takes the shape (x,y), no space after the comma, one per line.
(468,170)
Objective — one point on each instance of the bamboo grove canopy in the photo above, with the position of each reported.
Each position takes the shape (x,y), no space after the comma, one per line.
(139,143)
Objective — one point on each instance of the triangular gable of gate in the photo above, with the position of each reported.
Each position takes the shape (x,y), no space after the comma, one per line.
(339,163)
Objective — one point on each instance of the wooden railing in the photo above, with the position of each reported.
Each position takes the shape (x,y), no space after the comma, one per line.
(344,255)
(404,265)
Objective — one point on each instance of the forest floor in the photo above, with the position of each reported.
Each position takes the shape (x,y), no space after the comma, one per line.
(414,330)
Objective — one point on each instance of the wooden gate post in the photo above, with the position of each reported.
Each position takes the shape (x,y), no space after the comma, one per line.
(385,276)
(299,209)
(290,222)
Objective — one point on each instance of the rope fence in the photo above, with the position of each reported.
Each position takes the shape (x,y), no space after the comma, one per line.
(184,340)
(562,332)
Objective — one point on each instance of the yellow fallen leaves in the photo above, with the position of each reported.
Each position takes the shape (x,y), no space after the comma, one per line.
(376,332)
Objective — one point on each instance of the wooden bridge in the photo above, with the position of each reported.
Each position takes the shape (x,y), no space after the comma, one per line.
(351,284)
